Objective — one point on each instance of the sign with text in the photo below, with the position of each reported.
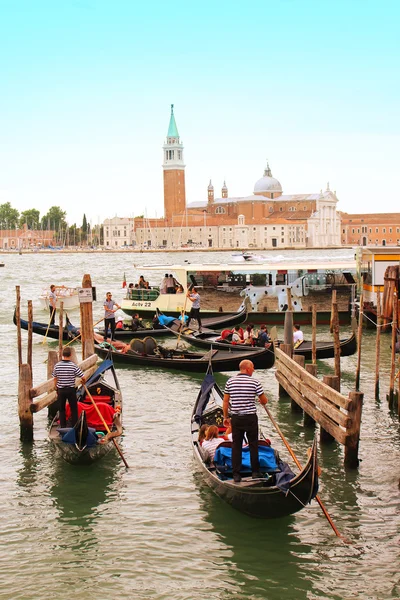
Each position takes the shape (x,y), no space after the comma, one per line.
(85,295)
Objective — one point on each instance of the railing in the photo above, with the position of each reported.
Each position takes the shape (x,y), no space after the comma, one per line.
(337,415)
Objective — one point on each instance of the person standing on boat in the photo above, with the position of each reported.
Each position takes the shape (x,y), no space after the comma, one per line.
(240,399)
(110,308)
(52,304)
(64,373)
(194,297)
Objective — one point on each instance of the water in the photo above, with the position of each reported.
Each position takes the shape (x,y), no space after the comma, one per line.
(155,530)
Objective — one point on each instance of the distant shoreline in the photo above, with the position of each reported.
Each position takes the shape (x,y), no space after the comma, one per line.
(161,250)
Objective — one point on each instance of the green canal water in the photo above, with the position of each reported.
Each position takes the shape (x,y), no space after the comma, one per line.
(156,530)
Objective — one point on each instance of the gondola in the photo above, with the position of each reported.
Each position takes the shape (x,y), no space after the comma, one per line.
(69,330)
(88,441)
(209,338)
(150,354)
(326,349)
(278,494)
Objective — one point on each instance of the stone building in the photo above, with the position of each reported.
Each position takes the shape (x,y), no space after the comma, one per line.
(377,229)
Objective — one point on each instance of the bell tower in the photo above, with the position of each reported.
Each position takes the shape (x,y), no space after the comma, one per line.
(174,172)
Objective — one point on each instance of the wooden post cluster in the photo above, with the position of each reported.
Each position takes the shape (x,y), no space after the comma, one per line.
(339,417)
(359,340)
(393,351)
(378,342)
(18,318)
(314,335)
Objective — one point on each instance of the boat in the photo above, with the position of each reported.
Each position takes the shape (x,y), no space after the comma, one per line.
(379,271)
(69,331)
(219,322)
(87,442)
(2,264)
(247,256)
(148,353)
(278,494)
(266,286)
(69,296)
(208,338)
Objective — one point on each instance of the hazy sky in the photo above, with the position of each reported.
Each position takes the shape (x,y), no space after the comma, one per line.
(86,88)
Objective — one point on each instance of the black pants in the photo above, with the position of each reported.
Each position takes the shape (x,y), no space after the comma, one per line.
(195,315)
(244,424)
(109,323)
(52,315)
(64,394)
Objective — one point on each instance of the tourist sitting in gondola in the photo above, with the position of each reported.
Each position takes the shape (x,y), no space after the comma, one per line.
(238,336)
(137,322)
(248,335)
(263,337)
(211,442)
(202,433)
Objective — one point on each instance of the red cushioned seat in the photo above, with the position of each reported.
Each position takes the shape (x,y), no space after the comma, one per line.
(106,399)
(93,419)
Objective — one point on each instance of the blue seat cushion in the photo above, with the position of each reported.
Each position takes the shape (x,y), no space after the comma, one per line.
(266,456)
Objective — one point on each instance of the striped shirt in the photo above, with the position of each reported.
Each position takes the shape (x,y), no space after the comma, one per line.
(65,371)
(242,390)
(210,446)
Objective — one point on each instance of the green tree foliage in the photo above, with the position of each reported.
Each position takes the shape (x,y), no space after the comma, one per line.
(84,225)
(31,217)
(54,219)
(9,216)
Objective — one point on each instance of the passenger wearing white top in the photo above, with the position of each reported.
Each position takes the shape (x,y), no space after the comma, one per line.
(298,335)
(211,442)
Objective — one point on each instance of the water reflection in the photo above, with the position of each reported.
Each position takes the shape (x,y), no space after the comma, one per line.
(264,561)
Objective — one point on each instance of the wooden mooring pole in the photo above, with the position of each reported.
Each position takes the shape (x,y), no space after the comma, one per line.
(314,334)
(24,403)
(378,342)
(60,329)
(18,318)
(332,321)
(336,340)
(359,339)
(87,334)
(287,346)
(312,369)
(30,335)
(392,395)
(351,447)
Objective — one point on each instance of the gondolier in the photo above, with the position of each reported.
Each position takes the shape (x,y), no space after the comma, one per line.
(194,297)
(240,397)
(64,373)
(52,303)
(110,307)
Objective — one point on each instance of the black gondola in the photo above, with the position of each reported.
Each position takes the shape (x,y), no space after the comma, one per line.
(278,494)
(220,322)
(69,330)
(208,338)
(152,355)
(87,441)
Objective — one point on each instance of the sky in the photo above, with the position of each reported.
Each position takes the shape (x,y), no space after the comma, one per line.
(312,86)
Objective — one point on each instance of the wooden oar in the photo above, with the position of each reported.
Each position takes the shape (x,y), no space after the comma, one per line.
(105,424)
(292,454)
(48,326)
(183,317)
(79,335)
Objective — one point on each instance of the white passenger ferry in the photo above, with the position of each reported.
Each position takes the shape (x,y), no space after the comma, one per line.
(223,287)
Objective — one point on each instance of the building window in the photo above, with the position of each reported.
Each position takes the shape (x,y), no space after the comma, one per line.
(370,230)
(353,230)
(281,209)
(390,231)
(220,210)
(384,230)
(271,209)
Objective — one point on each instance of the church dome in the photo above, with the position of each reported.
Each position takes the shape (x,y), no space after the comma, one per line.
(267,183)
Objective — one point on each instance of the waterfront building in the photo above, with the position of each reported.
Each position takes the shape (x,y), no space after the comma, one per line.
(267,218)
(23,238)
(376,229)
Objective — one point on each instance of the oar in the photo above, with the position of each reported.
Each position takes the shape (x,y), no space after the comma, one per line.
(79,335)
(105,425)
(48,326)
(292,454)
(183,318)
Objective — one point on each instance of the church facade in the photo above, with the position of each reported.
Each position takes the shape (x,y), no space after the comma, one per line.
(266,218)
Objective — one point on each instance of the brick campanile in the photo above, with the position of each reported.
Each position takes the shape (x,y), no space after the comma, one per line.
(174,173)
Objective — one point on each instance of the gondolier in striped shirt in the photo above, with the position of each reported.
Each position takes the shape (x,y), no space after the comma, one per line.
(240,400)
(64,373)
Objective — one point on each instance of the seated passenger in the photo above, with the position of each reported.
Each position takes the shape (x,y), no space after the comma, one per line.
(119,322)
(236,337)
(298,335)
(248,335)
(179,289)
(137,323)
(263,337)
(164,284)
(142,284)
(211,442)
(202,433)
(156,323)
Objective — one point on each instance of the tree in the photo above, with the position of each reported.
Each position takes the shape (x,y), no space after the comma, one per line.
(84,224)
(31,217)
(9,216)
(54,219)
